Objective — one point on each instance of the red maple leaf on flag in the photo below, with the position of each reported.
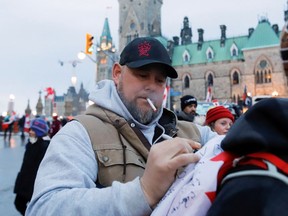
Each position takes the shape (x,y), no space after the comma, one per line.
(50,93)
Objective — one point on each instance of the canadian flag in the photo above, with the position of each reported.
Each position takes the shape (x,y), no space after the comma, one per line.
(165,96)
(27,123)
(50,93)
(194,190)
(209,94)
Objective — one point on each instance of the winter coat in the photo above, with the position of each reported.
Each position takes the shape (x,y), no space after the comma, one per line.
(33,156)
(186,117)
(66,180)
(120,148)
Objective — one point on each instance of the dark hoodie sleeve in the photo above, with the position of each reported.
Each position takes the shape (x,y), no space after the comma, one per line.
(262,128)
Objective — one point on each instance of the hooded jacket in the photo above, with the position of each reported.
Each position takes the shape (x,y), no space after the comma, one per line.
(121,149)
(66,180)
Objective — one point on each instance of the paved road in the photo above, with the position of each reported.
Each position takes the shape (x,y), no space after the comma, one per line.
(11,155)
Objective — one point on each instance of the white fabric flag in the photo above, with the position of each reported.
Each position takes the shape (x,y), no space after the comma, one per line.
(209,94)
(190,193)
(27,123)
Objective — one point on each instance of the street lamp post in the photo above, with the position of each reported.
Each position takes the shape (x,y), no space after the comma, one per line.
(74,64)
(82,55)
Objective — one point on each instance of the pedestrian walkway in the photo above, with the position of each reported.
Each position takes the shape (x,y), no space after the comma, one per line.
(11,155)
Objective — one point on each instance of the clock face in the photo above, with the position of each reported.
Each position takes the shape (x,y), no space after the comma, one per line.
(106,46)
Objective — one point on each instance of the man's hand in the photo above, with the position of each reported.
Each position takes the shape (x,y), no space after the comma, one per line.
(163,161)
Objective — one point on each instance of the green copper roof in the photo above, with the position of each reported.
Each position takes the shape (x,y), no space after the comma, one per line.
(221,53)
(263,36)
(106,35)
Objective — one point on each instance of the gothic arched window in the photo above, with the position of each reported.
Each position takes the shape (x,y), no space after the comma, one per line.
(235,78)
(263,72)
(186,56)
(210,80)
(268,77)
(186,82)
(234,50)
(257,77)
(209,53)
(261,77)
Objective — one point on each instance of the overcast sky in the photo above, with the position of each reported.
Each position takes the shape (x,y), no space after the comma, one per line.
(36,34)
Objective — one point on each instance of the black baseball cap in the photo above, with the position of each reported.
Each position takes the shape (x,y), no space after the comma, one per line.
(147,50)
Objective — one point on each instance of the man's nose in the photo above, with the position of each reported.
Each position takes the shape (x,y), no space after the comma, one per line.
(150,84)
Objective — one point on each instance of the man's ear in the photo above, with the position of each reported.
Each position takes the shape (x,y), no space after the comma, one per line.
(116,73)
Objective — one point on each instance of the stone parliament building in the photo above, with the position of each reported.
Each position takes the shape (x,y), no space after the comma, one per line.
(226,65)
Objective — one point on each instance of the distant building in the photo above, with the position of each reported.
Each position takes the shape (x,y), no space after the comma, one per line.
(39,106)
(106,54)
(138,19)
(59,105)
(69,104)
(28,110)
(225,65)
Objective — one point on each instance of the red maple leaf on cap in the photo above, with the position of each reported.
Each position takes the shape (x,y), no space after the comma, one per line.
(144,48)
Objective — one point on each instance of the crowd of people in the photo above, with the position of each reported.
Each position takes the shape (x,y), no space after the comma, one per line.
(128,155)
(11,123)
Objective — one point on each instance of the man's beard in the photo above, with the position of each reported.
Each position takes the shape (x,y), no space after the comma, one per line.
(144,117)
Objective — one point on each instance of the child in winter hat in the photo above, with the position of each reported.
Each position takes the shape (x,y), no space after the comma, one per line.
(39,126)
(219,119)
(218,112)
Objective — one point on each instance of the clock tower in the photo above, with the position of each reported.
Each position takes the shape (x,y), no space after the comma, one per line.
(138,18)
(106,54)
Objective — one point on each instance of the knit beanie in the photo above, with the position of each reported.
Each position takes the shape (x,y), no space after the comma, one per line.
(39,126)
(187,100)
(216,113)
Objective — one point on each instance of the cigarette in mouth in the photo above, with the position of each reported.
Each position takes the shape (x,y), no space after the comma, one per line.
(151,104)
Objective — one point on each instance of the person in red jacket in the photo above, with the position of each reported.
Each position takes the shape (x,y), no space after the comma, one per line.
(55,126)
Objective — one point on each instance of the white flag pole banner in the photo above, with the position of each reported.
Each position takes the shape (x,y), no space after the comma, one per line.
(191,192)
